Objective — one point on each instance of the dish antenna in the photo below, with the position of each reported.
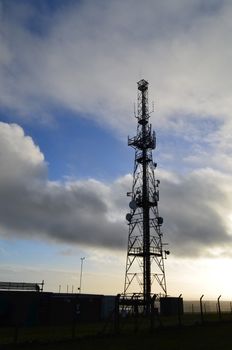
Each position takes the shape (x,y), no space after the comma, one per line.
(133,204)
(128,217)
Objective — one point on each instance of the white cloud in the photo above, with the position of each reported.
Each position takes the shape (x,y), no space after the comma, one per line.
(87,57)
(93,53)
(20,158)
(195,206)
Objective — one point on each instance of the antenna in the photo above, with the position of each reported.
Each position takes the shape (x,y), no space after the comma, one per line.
(145,254)
(135,111)
(153,107)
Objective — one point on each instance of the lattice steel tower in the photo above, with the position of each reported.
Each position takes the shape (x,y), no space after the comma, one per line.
(145,254)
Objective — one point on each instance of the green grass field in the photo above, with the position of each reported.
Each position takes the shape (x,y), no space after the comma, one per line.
(207,337)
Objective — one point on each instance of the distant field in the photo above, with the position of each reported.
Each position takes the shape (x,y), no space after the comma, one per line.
(207,337)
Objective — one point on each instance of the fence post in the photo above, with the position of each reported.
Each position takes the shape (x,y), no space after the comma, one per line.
(152,312)
(74,316)
(135,315)
(17,324)
(42,286)
(16,333)
(179,310)
(116,314)
(219,308)
(201,307)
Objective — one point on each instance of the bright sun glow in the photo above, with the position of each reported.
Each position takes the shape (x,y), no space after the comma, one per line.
(191,278)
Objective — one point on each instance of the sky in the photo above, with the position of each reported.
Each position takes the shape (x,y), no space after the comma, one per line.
(68,74)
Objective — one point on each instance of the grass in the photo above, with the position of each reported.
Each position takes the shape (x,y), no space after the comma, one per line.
(48,333)
(134,334)
(208,337)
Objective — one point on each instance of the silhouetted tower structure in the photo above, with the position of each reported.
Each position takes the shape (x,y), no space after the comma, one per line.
(145,254)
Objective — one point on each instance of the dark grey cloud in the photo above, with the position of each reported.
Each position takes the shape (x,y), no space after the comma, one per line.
(78,214)
(195,206)
(81,212)
(195,210)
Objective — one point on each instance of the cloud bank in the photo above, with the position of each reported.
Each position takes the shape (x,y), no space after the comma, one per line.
(91,213)
(83,212)
(86,56)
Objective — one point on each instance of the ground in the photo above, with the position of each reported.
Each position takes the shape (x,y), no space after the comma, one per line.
(207,337)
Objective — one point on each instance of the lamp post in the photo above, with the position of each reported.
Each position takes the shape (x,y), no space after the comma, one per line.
(82,259)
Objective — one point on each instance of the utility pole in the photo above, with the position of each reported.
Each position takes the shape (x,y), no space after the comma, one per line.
(82,259)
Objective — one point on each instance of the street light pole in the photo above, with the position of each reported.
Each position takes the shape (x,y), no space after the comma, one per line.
(82,259)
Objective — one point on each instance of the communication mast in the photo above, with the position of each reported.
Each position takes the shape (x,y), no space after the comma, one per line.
(145,254)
